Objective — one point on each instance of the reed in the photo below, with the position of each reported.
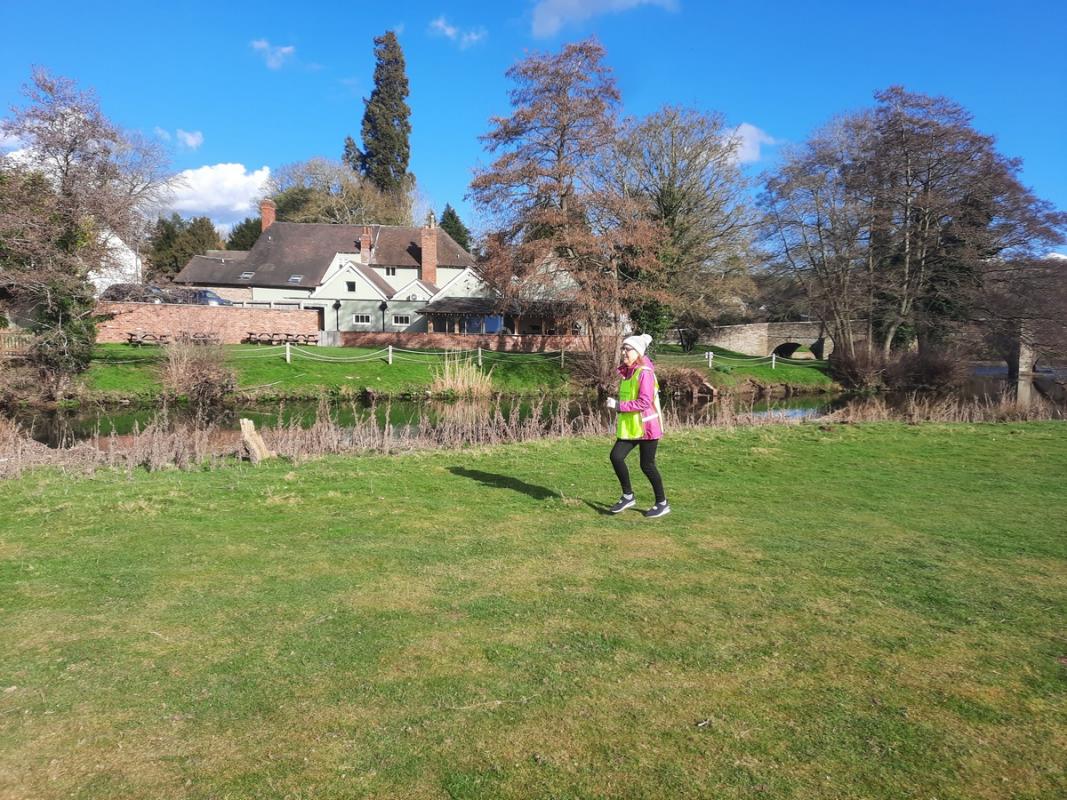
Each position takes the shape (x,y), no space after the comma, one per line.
(162,444)
(461,377)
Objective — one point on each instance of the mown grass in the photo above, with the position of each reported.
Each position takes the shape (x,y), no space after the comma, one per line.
(734,371)
(122,370)
(861,611)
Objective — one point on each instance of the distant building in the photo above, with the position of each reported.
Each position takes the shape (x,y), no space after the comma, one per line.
(361,277)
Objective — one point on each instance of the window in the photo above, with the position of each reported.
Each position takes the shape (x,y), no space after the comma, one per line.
(295,278)
(350,285)
(247,276)
(390,271)
(361,319)
(401,319)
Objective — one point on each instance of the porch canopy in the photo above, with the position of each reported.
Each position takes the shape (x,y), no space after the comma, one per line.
(481,315)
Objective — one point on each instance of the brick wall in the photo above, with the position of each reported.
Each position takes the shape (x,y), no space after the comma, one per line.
(229,323)
(450,341)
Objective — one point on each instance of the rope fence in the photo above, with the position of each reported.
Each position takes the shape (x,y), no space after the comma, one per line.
(482,356)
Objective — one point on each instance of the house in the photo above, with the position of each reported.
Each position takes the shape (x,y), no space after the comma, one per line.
(370,278)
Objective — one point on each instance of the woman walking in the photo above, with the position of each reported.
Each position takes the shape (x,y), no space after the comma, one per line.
(639,424)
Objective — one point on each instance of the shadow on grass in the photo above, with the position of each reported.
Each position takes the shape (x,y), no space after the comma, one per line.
(494,481)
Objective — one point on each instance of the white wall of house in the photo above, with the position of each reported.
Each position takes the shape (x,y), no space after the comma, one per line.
(403,276)
(445,274)
(120,264)
(463,284)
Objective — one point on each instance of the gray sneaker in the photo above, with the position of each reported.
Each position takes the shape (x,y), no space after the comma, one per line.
(659,510)
(623,504)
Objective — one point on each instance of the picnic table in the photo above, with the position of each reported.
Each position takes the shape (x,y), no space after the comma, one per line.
(276,337)
(138,338)
(198,337)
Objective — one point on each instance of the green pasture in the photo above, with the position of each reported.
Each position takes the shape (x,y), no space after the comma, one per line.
(870,611)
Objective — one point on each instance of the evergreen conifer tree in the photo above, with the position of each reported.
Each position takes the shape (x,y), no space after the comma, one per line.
(454,227)
(351,157)
(386,128)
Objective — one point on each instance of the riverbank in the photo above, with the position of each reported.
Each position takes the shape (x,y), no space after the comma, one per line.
(125,374)
(855,610)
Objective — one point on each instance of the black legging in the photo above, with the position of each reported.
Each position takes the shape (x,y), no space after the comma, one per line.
(622,449)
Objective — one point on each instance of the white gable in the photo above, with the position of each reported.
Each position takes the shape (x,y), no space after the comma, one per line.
(466,284)
(336,285)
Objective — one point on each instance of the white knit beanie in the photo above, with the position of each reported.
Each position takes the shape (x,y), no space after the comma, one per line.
(638,343)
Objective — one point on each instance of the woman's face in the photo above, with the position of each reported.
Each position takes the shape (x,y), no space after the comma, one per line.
(629,356)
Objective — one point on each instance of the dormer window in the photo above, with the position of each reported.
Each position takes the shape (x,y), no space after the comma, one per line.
(350,285)
(295,278)
(390,271)
(247,276)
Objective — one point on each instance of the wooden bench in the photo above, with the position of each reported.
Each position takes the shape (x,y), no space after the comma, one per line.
(139,338)
(198,337)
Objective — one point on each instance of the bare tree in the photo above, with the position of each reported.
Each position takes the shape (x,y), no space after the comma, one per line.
(558,231)
(321,190)
(78,186)
(818,225)
(683,164)
(895,216)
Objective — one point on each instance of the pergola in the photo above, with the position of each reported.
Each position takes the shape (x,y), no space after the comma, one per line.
(486,315)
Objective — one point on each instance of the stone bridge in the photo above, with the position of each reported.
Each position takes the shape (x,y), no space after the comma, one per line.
(764,338)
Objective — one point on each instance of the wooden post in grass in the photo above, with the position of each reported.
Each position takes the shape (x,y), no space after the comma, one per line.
(710,355)
(288,355)
(390,355)
(561,352)
(774,359)
(479,356)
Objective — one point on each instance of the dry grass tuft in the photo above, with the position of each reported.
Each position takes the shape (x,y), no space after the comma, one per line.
(461,377)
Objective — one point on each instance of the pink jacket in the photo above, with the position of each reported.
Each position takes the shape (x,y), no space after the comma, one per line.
(646,396)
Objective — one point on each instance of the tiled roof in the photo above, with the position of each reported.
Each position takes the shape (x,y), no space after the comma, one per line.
(306,249)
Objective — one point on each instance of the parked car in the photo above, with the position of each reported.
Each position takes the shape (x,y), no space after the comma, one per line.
(206,297)
(199,297)
(135,293)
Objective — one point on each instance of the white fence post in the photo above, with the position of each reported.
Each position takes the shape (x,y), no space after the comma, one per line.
(561,352)
(288,355)
(710,355)
(479,356)
(774,360)
(390,354)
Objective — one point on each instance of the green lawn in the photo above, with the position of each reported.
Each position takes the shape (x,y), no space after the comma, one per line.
(847,612)
(122,370)
(736,368)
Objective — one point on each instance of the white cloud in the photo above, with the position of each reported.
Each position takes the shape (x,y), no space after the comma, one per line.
(750,140)
(465,39)
(225,192)
(190,139)
(161,133)
(551,15)
(274,55)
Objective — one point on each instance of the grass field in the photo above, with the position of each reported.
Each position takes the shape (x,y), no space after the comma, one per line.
(119,369)
(867,611)
(123,372)
(736,369)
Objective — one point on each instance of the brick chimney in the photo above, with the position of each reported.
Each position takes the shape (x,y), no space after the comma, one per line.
(429,250)
(365,245)
(267,211)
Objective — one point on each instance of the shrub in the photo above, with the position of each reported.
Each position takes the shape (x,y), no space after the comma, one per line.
(197,372)
(860,372)
(927,370)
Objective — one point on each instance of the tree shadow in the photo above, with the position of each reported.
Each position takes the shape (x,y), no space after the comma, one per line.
(495,481)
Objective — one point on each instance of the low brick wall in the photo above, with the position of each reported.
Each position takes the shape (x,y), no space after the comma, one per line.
(455,341)
(230,324)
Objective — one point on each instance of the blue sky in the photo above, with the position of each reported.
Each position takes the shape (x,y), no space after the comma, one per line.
(236,89)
